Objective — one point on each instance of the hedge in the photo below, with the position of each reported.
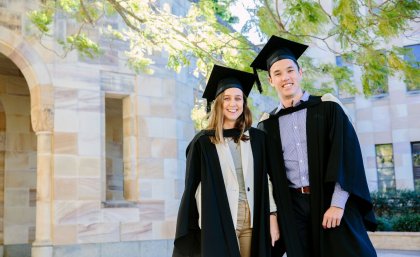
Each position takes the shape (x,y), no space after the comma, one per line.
(397,210)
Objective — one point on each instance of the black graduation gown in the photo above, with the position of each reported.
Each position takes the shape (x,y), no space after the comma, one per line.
(217,236)
(334,155)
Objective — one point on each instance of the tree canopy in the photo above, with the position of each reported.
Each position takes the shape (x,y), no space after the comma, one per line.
(360,31)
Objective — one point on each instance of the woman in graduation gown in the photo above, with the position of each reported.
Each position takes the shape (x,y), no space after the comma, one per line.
(224,211)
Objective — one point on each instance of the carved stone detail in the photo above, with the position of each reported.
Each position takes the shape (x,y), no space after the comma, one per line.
(42,108)
(42,118)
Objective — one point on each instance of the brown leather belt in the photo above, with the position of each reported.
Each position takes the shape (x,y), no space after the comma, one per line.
(303,190)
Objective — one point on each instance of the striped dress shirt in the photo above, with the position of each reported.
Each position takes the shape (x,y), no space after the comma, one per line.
(295,152)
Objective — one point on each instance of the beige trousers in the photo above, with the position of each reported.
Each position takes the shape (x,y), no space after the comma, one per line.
(243,229)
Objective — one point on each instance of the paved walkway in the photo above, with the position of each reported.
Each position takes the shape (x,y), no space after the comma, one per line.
(394,253)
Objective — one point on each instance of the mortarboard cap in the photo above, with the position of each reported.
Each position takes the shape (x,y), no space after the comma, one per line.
(222,78)
(276,49)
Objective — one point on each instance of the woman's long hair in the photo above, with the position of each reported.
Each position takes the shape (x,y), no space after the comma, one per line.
(243,122)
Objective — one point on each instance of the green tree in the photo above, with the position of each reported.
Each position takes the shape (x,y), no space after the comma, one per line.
(204,36)
(197,37)
(360,27)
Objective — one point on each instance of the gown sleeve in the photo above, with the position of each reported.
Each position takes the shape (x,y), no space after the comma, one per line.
(345,163)
(187,236)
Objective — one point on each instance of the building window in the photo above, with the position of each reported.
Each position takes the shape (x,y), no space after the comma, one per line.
(114,149)
(382,89)
(415,155)
(413,57)
(385,167)
(119,181)
(342,94)
(378,84)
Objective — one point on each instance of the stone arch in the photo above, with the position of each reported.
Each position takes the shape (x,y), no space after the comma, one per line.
(38,79)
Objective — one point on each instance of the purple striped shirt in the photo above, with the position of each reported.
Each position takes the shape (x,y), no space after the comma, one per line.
(295,151)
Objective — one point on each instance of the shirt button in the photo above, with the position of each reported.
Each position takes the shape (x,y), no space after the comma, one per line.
(297,144)
(295,127)
(300,161)
(249,189)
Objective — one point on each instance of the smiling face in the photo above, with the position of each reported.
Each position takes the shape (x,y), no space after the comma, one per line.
(233,106)
(285,77)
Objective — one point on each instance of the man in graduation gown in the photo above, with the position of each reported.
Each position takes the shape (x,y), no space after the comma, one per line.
(205,224)
(315,165)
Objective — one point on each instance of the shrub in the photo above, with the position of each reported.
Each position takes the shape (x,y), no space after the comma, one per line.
(409,222)
(397,210)
(395,203)
(384,224)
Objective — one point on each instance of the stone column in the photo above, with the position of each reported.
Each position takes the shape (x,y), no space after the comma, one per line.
(42,122)
(42,247)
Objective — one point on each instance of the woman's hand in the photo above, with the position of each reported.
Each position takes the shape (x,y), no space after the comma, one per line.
(274,229)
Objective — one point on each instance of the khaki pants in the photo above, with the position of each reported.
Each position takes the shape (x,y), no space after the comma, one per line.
(243,229)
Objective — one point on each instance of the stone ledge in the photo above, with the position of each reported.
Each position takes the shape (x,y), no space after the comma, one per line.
(395,240)
(119,204)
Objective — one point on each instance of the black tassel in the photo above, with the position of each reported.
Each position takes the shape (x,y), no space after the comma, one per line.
(257,79)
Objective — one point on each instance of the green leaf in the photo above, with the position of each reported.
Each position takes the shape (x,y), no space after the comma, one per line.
(84,45)
(42,19)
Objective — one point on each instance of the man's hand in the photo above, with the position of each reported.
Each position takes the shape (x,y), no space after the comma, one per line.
(274,229)
(332,217)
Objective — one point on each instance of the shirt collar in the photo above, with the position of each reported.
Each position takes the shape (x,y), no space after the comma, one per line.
(304,98)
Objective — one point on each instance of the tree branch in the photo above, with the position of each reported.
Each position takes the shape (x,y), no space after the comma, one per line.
(90,20)
(279,24)
(326,13)
(278,13)
(120,9)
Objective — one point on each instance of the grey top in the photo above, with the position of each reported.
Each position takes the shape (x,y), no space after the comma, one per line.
(295,151)
(235,150)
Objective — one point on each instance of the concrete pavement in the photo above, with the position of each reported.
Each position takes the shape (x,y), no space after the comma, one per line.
(393,253)
(396,253)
